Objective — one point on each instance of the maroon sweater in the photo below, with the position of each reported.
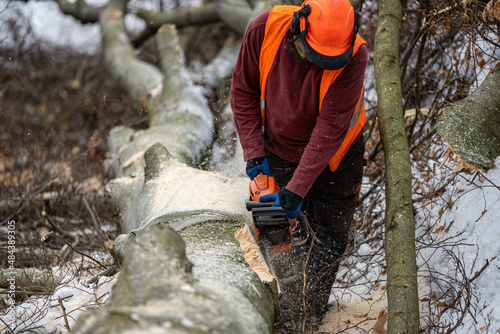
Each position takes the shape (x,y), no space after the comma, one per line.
(295,131)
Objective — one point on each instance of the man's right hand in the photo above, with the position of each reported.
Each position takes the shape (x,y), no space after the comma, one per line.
(290,202)
(256,166)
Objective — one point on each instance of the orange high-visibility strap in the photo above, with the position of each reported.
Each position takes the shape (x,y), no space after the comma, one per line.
(277,25)
(357,123)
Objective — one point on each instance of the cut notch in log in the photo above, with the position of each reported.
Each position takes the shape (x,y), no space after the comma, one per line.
(472,126)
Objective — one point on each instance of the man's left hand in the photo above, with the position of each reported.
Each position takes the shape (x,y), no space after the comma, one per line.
(256,166)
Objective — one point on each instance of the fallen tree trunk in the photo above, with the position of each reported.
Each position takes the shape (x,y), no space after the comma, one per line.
(402,289)
(80,10)
(472,125)
(139,79)
(182,267)
(181,119)
(180,17)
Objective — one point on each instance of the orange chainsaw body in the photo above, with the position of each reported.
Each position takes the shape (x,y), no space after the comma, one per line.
(262,185)
(272,227)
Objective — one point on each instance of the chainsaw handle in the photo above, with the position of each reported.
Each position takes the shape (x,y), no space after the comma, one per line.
(256,204)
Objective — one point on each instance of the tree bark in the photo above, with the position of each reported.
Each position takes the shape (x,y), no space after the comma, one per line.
(219,68)
(182,267)
(80,10)
(172,212)
(472,125)
(159,289)
(402,291)
(181,192)
(180,17)
(30,279)
(237,14)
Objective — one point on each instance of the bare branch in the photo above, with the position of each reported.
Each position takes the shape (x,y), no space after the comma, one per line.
(80,10)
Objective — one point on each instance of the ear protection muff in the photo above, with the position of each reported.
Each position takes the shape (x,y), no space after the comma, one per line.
(356,24)
(295,24)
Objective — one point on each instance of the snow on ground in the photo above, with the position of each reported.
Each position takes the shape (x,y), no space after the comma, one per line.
(48,25)
(45,314)
(466,222)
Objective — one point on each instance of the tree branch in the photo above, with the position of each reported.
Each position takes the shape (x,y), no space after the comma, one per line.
(80,10)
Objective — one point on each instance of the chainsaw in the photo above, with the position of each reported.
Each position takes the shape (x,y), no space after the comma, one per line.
(274,231)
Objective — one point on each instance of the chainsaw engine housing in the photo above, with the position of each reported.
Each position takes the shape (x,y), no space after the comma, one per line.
(272,226)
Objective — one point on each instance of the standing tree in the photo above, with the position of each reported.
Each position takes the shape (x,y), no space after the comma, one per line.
(402,290)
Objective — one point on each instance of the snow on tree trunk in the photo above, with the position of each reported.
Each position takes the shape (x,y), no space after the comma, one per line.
(472,125)
(171,191)
(402,292)
(138,78)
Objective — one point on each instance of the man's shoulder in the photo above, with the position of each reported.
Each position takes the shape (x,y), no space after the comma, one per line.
(356,67)
(260,20)
(361,55)
(358,62)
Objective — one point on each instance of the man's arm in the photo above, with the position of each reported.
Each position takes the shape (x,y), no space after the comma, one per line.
(245,90)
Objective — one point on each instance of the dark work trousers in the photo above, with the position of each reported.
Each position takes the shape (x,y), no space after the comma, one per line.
(329,207)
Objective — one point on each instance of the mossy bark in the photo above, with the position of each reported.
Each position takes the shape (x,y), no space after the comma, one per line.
(136,77)
(472,125)
(161,290)
(402,291)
